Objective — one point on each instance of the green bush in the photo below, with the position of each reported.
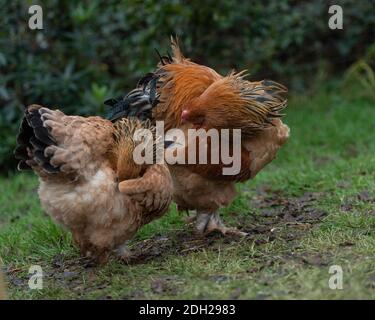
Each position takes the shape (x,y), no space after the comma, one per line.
(91,50)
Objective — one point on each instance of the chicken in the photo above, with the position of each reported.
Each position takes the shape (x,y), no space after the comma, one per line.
(89,181)
(186,95)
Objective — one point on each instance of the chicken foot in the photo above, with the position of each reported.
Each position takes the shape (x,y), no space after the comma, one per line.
(124,253)
(207,222)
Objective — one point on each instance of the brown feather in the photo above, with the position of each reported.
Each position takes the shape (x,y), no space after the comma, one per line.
(179,82)
(234,103)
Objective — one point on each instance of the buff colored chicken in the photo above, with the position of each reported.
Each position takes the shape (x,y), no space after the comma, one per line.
(187,95)
(89,181)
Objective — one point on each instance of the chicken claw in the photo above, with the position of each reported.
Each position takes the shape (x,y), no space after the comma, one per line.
(207,222)
(124,253)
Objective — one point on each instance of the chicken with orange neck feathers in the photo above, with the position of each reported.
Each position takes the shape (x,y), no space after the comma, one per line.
(186,95)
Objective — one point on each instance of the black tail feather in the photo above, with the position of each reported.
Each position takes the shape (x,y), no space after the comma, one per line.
(140,101)
(32,140)
(37,144)
(41,133)
(20,153)
(137,103)
(25,131)
(167,59)
(22,165)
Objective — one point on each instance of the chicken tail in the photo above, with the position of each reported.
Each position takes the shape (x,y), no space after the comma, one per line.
(140,101)
(32,140)
(137,103)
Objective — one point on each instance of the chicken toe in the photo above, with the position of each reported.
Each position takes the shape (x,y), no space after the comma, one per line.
(124,253)
(207,222)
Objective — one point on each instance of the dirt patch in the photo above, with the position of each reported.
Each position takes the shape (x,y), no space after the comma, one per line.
(15,276)
(280,218)
(62,272)
(351,204)
(366,196)
(283,217)
(180,243)
(165,285)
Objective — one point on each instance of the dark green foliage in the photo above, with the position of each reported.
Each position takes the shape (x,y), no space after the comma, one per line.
(93,50)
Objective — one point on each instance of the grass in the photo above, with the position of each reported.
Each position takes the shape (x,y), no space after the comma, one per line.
(329,158)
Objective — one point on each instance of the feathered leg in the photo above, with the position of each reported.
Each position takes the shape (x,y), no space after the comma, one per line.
(207,222)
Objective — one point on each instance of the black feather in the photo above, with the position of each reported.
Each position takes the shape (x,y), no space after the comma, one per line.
(25,132)
(145,79)
(136,105)
(38,145)
(43,136)
(40,158)
(138,102)
(34,120)
(33,117)
(33,138)
(22,165)
(111,102)
(153,83)
(49,168)
(20,153)
(160,57)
